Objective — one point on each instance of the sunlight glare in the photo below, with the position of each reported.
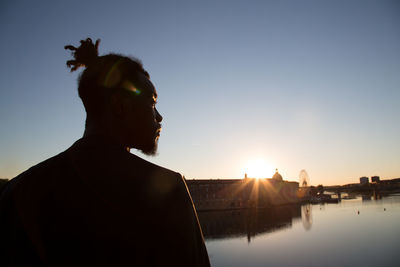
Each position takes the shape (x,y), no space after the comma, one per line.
(259,168)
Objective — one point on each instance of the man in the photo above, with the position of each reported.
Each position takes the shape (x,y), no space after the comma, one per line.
(95,203)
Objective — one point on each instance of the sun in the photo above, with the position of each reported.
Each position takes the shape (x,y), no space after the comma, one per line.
(258,168)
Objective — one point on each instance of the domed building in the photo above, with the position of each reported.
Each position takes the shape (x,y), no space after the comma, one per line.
(277,176)
(215,194)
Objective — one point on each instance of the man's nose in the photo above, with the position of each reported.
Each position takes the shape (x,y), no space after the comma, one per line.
(158,116)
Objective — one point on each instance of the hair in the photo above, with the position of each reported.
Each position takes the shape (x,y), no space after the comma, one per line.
(102,74)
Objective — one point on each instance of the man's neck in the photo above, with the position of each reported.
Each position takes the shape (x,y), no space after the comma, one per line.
(105,134)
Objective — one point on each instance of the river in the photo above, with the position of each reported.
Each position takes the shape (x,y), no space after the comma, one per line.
(355,232)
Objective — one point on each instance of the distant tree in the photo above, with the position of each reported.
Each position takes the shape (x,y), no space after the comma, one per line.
(320,189)
(313,191)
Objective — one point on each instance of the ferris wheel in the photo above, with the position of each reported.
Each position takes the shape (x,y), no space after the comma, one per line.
(304,179)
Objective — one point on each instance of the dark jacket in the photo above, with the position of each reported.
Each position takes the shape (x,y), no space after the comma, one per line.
(97,204)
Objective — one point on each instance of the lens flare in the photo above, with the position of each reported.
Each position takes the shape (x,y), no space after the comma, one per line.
(127,85)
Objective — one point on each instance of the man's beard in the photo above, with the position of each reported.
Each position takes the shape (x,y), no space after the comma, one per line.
(151,148)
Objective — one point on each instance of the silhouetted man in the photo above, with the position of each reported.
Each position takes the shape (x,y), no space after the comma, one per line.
(95,203)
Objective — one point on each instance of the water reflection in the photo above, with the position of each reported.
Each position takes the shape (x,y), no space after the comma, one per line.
(366,197)
(306,216)
(327,234)
(250,222)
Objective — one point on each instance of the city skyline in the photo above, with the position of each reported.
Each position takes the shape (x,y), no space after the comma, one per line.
(241,85)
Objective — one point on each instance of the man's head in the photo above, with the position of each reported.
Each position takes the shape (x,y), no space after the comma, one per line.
(118,96)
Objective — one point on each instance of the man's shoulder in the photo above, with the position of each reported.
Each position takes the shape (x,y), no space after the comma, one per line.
(38,173)
(140,162)
(46,165)
(156,174)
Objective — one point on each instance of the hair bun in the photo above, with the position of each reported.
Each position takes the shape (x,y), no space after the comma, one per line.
(84,55)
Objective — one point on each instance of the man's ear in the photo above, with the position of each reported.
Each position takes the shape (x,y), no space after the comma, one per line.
(117,105)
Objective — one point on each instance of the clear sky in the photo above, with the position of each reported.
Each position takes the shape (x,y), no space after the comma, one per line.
(292,84)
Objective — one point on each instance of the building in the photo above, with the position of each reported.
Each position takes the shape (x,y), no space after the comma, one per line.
(242,193)
(375,179)
(364,180)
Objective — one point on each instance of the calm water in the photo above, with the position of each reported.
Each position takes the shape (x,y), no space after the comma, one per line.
(356,232)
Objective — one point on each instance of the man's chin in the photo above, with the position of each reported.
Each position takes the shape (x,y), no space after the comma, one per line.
(150,150)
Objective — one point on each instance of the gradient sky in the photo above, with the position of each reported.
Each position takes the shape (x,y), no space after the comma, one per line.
(296,84)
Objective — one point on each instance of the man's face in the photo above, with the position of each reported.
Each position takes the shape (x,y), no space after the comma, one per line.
(142,121)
